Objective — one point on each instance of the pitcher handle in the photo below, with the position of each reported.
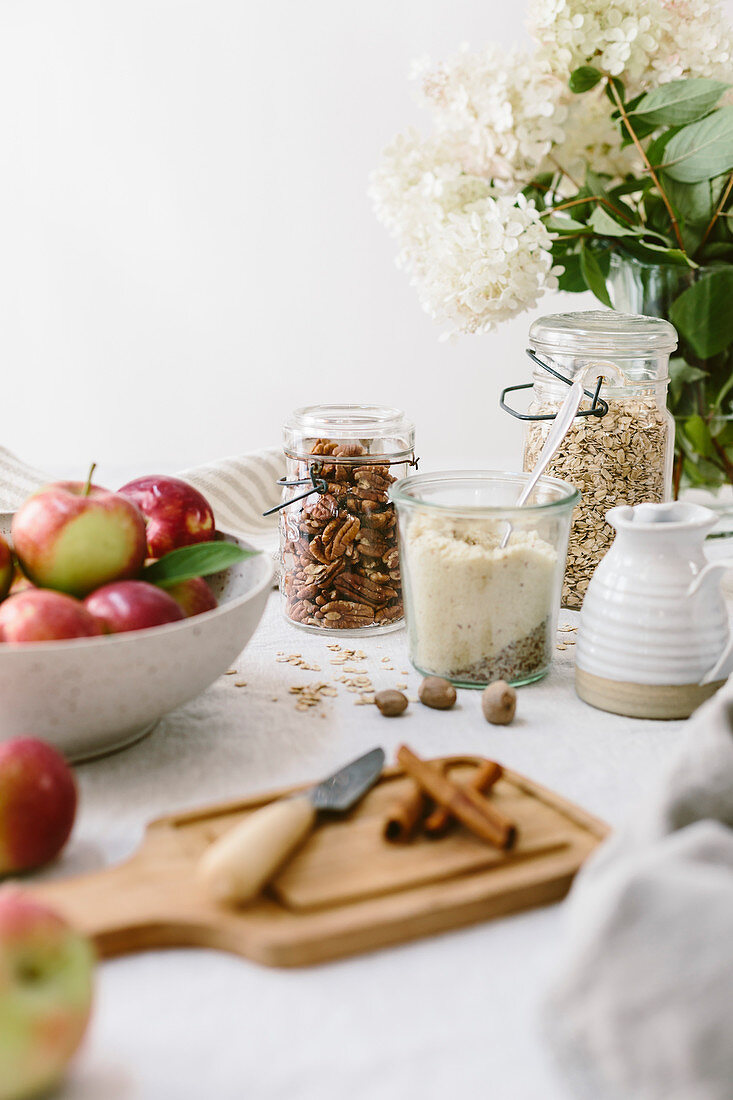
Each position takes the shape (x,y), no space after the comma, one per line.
(726,657)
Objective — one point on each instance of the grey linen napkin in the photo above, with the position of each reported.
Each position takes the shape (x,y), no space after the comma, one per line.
(239,489)
(643,1005)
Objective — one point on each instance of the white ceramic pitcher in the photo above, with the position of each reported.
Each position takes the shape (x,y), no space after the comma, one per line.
(654,639)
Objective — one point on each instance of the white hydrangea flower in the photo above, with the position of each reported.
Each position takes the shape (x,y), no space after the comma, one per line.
(504,109)
(484,264)
(647,41)
(417,183)
(592,139)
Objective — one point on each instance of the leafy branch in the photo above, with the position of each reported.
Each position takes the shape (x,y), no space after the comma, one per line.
(718,210)
(611,85)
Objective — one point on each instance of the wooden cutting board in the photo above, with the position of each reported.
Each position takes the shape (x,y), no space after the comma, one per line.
(345,891)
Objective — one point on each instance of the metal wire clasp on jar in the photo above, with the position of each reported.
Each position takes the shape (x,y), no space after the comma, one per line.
(338,537)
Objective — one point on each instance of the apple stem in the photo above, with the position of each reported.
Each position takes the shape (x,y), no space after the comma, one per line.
(88,485)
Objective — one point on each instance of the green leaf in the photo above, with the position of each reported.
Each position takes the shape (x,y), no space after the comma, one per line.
(619,87)
(188,562)
(694,202)
(593,274)
(631,187)
(584,78)
(656,253)
(561,224)
(718,250)
(681,374)
(703,149)
(679,102)
(641,129)
(607,226)
(572,279)
(703,315)
(655,150)
(698,433)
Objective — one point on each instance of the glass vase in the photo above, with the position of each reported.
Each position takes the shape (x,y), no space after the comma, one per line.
(700,389)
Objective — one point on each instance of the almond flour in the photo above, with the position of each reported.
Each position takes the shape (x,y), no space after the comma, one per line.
(479,612)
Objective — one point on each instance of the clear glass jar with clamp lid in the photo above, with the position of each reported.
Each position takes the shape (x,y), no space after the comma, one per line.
(620,449)
(338,529)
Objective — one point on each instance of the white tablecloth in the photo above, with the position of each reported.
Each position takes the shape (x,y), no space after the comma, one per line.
(443,1017)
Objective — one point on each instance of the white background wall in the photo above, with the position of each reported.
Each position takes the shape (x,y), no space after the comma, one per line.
(187,250)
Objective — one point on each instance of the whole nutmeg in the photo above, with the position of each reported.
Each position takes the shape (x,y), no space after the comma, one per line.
(391,703)
(499,702)
(437,693)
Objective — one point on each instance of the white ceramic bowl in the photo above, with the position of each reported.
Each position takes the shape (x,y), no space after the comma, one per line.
(90,696)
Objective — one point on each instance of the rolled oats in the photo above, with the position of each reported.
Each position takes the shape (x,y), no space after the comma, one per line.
(620,458)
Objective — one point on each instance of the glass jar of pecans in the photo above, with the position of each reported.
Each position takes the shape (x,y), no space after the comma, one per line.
(624,453)
(340,561)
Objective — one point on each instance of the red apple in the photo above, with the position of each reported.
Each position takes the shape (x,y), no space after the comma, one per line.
(40,615)
(37,803)
(74,542)
(7,568)
(176,513)
(46,971)
(193,596)
(20,582)
(132,605)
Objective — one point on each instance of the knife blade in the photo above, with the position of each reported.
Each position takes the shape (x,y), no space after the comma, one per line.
(236,867)
(346,786)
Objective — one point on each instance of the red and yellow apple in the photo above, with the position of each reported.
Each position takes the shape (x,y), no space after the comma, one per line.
(41,615)
(7,568)
(20,582)
(132,605)
(74,537)
(176,513)
(46,972)
(37,803)
(193,596)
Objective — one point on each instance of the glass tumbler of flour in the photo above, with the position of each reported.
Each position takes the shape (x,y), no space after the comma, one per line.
(478,611)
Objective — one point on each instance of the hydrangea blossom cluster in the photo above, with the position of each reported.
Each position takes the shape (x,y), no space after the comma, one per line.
(648,41)
(488,262)
(506,111)
(477,257)
(477,250)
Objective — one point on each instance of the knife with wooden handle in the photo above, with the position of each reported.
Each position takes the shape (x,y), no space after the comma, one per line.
(236,867)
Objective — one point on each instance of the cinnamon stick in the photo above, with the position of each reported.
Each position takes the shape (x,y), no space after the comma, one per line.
(404,814)
(485,775)
(470,807)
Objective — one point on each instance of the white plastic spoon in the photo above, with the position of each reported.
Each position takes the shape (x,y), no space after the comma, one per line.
(555,436)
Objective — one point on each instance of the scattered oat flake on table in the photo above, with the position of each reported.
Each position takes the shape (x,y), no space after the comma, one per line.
(402,687)
(240,683)
(311,695)
(231,672)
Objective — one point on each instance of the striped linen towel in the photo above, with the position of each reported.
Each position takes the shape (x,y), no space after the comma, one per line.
(239,490)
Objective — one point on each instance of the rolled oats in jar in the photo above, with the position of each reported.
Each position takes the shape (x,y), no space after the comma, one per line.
(340,560)
(622,457)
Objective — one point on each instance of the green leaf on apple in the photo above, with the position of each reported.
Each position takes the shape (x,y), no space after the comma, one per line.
(200,560)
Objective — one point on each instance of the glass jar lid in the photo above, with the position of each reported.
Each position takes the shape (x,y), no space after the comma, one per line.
(601,332)
(380,429)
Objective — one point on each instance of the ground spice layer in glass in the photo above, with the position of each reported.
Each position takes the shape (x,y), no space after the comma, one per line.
(478,612)
(620,458)
(340,558)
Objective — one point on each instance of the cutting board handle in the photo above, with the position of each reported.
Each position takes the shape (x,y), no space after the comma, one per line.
(120,908)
